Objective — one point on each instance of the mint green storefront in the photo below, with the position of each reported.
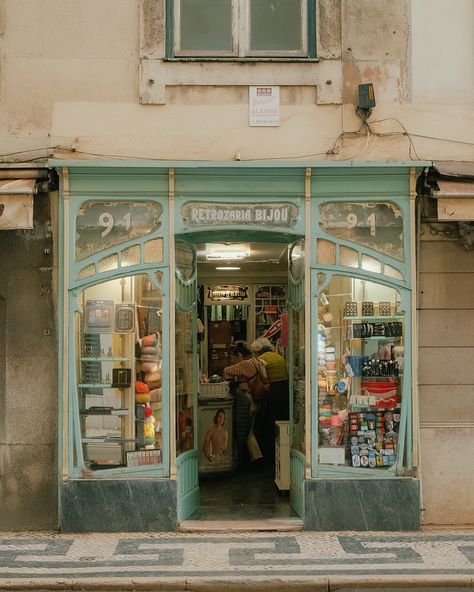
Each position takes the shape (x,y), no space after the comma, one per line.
(128,301)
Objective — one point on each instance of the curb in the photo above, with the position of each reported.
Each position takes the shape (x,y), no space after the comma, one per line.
(260,583)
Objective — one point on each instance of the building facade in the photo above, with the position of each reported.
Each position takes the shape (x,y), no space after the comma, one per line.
(125,104)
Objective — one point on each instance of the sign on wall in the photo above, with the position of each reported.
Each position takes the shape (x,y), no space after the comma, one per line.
(264,105)
(219,214)
(226,294)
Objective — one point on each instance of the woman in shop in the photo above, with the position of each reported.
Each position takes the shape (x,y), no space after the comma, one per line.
(241,374)
(277,405)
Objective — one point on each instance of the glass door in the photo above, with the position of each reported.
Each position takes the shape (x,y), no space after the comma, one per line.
(186,383)
(296,357)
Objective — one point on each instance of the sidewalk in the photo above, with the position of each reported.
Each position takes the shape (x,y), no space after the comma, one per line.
(231,562)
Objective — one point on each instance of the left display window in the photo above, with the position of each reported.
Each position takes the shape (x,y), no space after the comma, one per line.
(118,349)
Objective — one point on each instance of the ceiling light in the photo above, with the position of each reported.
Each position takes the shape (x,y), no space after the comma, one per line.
(228,268)
(227,255)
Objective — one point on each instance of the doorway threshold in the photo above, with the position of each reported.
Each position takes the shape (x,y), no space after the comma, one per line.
(268,525)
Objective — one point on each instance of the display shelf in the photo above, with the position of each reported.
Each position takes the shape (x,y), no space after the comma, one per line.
(104,359)
(374,318)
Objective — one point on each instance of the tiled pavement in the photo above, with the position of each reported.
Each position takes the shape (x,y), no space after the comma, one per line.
(236,561)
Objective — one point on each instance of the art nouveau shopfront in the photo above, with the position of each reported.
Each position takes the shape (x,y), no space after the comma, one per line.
(132,350)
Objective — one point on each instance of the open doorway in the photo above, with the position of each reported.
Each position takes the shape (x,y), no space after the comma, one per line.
(242,290)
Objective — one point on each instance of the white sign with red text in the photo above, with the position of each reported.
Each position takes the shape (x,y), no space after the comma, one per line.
(264,105)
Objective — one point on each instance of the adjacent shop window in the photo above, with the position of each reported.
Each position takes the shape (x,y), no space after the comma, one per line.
(243,28)
(118,343)
(360,373)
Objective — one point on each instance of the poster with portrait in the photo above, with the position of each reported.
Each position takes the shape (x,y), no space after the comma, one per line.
(215,436)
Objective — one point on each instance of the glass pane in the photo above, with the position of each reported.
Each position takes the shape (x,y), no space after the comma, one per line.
(184,370)
(206,25)
(297,261)
(392,272)
(185,260)
(275,25)
(360,373)
(375,225)
(348,257)
(101,225)
(108,263)
(371,264)
(326,252)
(131,256)
(153,251)
(86,272)
(298,435)
(118,365)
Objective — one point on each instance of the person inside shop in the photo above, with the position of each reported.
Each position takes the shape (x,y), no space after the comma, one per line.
(277,403)
(240,374)
(217,439)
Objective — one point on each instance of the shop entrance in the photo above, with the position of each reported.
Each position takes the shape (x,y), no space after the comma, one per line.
(235,447)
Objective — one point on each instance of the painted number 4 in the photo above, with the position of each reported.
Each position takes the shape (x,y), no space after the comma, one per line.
(106,220)
(352,221)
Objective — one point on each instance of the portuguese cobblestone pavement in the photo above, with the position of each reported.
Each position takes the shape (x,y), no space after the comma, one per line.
(236,561)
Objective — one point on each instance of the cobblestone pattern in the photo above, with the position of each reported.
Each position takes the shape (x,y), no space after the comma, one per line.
(165,555)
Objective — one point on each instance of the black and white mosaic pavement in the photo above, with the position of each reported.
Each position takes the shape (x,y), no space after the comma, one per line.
(248,555)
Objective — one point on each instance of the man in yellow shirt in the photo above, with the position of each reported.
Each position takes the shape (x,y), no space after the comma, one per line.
(277,376)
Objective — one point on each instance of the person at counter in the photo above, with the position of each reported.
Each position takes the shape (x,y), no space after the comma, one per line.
(240,374)
(277,403)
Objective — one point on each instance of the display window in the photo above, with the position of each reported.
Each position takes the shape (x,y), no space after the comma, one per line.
(118,331)
(117,317)
(362,338)
(360,351)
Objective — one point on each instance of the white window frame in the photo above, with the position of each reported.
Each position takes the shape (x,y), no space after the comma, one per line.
(241,35)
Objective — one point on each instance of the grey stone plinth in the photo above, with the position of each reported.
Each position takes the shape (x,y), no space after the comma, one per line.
(362,505)
(118,505)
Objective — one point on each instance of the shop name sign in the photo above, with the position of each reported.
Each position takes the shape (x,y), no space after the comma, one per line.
(227,293)
(219,214)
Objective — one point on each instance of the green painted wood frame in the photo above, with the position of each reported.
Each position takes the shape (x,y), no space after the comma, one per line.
(78,186)
(375,185)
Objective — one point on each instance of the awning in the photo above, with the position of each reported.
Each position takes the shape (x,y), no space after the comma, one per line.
(16,203)
(451,183)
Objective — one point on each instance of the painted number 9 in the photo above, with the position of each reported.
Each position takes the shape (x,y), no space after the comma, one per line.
(352,220)
(106,220)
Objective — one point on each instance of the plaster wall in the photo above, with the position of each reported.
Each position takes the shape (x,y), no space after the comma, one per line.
(442,48)
(75,80)
(28,385)
(446,377)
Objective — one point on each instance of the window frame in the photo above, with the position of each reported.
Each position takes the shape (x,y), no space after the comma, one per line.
(241,36)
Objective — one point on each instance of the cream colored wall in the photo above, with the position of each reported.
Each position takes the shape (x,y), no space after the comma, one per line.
(446,377)
(75,76)
(443,51)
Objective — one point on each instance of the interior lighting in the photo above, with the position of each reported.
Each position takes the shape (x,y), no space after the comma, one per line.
(228,268)
(227,255)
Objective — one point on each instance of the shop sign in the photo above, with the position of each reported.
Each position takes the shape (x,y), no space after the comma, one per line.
(220,214)
(226,294)
(101,225)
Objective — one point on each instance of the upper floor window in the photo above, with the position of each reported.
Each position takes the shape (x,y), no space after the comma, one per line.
(243,28)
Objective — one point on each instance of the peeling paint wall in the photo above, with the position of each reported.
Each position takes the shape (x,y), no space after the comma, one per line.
(90,76)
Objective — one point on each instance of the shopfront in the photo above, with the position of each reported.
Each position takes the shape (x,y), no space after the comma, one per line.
(147,328)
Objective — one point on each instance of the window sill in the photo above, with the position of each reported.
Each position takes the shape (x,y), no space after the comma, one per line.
(241,59)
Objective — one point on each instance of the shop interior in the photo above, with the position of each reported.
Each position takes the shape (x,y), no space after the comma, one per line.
(242,296)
